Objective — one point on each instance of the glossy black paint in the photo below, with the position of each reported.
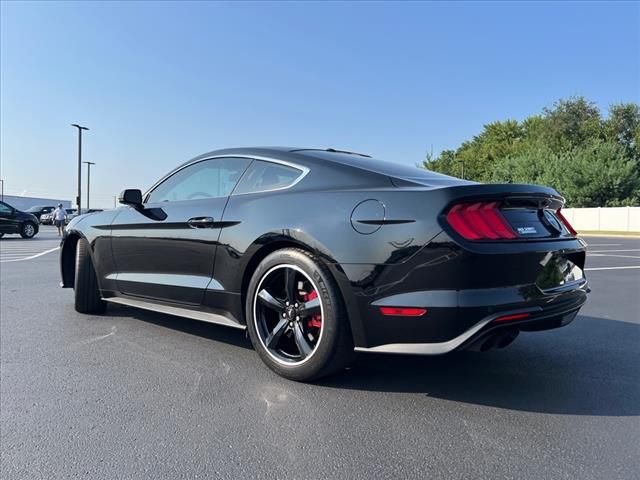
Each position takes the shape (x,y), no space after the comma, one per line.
(12,219)
(379,227)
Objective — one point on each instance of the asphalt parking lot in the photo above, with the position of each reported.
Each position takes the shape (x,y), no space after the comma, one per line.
(134,394)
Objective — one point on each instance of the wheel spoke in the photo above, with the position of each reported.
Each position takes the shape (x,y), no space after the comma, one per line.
(270,301)
(301,342)
(290,284)
(311,306)
(283,311)
(274,336)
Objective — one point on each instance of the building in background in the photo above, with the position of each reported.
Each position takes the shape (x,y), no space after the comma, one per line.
(24,203)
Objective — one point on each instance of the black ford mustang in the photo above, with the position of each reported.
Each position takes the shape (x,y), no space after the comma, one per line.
(320,253)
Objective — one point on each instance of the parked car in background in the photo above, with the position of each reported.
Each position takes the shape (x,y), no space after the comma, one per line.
(71,216)
(13,220)
(71,212)
(47,218)
(39,210)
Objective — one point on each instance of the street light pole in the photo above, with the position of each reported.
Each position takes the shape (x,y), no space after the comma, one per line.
(79,198)
(88,180)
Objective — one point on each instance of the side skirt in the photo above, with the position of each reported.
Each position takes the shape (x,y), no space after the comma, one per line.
(177,311)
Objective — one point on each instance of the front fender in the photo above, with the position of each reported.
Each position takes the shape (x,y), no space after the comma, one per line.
(95,229)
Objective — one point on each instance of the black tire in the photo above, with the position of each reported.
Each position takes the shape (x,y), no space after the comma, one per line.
(28,230)
(87,293)
(333,349)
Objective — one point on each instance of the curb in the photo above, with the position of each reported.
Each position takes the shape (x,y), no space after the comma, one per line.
(610,234)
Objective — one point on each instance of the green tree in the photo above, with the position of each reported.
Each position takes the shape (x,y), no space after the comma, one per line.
(599,175)
(623,126)
(591,160)
(595,175)
(446,163)
(532,166)
(570,123)
(476,157)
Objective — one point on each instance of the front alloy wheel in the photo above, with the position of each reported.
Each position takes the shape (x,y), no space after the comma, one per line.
(28,230)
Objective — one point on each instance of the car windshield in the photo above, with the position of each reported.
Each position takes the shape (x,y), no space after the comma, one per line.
(37,208)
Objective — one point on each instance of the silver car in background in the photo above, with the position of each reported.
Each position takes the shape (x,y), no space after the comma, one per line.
(47,218)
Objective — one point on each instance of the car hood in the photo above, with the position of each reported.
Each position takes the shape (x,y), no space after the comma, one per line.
(20,215)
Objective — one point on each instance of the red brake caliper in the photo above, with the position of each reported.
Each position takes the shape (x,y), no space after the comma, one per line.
(315,320)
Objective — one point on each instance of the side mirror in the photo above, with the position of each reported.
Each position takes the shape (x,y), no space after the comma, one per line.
(131,196)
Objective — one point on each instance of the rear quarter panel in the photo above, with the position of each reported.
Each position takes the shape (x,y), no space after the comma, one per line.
(321,221)
(397,258)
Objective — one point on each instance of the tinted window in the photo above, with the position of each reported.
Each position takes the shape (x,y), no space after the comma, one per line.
(392,169)
(261,176)
(4,208)
(207,179)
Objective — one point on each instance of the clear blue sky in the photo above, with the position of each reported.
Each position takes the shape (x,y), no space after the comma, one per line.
(159,83)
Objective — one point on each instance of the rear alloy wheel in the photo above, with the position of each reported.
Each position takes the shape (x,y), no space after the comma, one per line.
(28,230)
(296,319)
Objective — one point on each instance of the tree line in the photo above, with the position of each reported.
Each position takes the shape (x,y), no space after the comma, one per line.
(594,161)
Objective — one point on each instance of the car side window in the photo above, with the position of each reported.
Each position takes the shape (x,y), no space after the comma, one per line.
(206,179)
(263,176)
(5,209)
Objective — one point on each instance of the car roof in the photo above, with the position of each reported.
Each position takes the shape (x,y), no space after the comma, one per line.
(315,156)
(276,152)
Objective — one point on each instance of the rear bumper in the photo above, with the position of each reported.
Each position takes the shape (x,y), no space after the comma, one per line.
(551,310)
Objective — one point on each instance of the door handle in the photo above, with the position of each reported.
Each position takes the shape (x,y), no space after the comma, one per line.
(200,222)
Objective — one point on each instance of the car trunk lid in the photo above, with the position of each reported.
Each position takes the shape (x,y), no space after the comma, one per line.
(505,212)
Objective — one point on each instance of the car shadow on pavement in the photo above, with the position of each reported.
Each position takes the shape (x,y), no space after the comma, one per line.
(589,368)
(219,333)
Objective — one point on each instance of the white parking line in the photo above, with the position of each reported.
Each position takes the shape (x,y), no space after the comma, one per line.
(607,251)
(31,257)
(604,244)
(612,268)
(618,256)
(26,252)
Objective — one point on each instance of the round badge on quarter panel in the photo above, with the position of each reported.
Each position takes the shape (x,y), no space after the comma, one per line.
(368,216)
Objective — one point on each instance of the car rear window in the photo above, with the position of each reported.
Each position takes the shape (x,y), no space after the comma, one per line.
(391,169)
(263,176)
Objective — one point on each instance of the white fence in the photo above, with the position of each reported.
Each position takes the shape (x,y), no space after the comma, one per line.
(612,219)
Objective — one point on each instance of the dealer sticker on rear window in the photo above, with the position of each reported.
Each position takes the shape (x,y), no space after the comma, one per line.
(527,230)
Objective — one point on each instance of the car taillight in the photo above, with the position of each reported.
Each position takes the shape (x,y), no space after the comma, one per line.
(480,221)
(511,318)
(566,223)
(403,311)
